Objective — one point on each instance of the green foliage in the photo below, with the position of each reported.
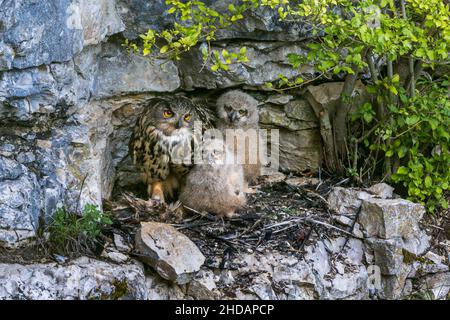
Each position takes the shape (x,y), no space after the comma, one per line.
(72,233)
(417,137)
(364,112)
(195,23)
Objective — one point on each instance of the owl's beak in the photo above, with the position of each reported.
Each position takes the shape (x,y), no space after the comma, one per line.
(233,116)
(179,124)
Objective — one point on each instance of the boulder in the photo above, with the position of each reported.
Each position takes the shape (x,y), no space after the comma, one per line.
(390,218)
(326,96)
(173,255)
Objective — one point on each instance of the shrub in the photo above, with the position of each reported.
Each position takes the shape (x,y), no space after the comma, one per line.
(420,145)
(71,233)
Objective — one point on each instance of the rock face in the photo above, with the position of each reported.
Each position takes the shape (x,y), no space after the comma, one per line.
(37,33)
(82,279)
(394,242)
(173,255)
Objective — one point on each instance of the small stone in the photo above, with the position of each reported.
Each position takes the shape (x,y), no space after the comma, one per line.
(302,181)
(274,178)
(115,256)
(203,286)
(343,220)
(173,255)
(226,277)
(433,257)
(382,190)
(357,231)
(279,99)
(120,244)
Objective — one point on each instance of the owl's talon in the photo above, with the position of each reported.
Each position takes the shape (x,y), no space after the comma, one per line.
(157,192)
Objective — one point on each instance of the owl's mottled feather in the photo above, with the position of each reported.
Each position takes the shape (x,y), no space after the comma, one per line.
(239,110)
(161,145)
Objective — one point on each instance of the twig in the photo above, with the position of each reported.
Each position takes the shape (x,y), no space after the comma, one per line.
(331,227)
(79,194)
(352,228)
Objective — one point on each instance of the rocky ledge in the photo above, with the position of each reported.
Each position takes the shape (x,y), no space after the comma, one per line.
(358,244)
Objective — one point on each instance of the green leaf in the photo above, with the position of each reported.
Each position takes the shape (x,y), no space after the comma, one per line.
(402,170)
(164,49)
(412,120)
(428,182)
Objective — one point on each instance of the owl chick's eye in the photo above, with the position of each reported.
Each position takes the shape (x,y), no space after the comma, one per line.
(227,108)
(243,112)
(187,117)
(167,114)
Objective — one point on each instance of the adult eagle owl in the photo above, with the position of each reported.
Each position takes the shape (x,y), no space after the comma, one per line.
(162,142)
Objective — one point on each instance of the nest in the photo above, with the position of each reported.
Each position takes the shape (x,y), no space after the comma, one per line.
(278,216)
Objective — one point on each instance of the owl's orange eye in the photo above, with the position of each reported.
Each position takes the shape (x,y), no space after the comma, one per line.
(168,114)
(187,117)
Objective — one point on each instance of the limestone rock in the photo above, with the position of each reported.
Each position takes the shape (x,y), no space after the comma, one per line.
(81,279)
(382,190)
(302,181)
(203,286)
(258,24)
(299,151)
(418,244)
(390,218)
(346,200)
(279,99)
(438,284)
(121,73)
(173,255)
(114,256)
(43,32)
(120,243)
(388,254)
(266,61)
(296,115)
(19,204)
(326,96)
(161,289)
(395,286)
